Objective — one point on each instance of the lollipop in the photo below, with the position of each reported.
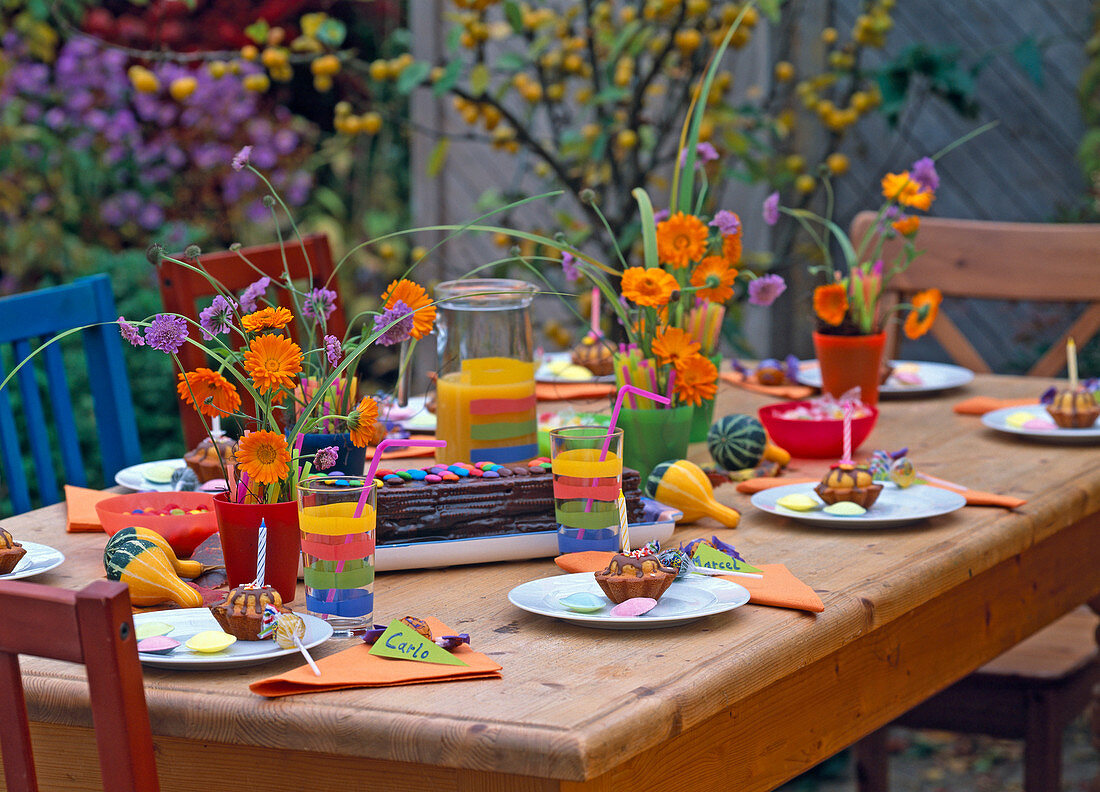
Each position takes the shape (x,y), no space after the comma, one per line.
(288,630)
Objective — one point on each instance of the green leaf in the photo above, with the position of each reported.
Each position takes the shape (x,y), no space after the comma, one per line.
(449,78)
(770,9)
(438,157)
(479,79)
(649,228)
(332,32)
(257,31)
(413,75)
(1029,58)
(454,35)
(514,15)
(610,95)
(511,61)
(647,137)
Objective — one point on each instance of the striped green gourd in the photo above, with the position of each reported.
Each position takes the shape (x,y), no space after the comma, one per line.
(736,441)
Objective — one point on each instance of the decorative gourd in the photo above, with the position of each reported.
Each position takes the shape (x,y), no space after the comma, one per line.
(185,569)
(737,441)
(146,570)
(683,485)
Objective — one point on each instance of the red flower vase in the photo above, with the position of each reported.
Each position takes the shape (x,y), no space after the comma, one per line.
(847,361)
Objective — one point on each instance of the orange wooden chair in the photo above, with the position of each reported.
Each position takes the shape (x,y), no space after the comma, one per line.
(94,627)
(1032,691)
(1039,262)
(182,289)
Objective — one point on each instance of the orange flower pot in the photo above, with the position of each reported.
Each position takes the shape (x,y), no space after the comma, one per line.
(847,361)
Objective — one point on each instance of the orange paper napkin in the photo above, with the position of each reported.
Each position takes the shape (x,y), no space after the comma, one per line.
(81,504)
(980,405)
(563,391)
(358,668)
(973,497)
(791,392)
(778,588)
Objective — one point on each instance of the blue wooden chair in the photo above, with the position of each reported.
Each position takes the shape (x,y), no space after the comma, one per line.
(42,315)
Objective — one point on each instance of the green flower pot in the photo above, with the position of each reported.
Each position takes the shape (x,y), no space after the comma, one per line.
(651,437)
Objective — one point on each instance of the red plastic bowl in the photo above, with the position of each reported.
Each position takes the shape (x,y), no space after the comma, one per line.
(813,439)
(184,532)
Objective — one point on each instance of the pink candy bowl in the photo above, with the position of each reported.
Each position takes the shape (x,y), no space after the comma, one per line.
(813,439)
(184,532)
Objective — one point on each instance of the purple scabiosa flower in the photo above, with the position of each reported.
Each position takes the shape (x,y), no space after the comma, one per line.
(739,367)
(923,173)
(704,153)
(790,368)
(877,268)
(398,332)
(728,223)
(661,215)
(218,318)
(319,304)
(166,333)
(129,332)
(569,266)
(325,458)
(240,159)
(251,295)
(766,289)
(771,209)
(333,350)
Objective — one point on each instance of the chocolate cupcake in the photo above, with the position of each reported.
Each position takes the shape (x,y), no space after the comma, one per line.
(242,613)
(204,458)
(10,552)
(1074,409)
(628,576)
(846,481)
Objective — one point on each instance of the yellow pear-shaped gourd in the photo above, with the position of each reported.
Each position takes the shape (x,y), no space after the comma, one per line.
(185,569)
(144,567)
(684,485)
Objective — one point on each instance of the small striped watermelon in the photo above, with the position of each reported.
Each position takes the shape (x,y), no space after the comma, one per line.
(736,441)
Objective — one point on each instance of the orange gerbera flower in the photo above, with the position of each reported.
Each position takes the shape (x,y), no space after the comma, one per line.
(926,307)
(363,422)
(696,379)
(650,286)
(715,273)
(267,319)
(901,187)
(731,248)
(907,225)
(273,362)
(418,301)
(264,456)
(208,392)
(681,240)
(672,345)
(831,303)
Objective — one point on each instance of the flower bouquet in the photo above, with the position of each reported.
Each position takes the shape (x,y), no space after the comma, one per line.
(294,391)
(850,310)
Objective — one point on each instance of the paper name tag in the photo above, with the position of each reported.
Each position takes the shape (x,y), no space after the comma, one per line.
(709,557)
(404,643)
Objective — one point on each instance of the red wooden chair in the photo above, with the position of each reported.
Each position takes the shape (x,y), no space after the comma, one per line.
(94,627)
(182,289)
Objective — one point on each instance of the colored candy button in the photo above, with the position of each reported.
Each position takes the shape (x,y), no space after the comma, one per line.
(845,509)
(210,641)
(432,478)
(801,503)
(582,602)
(149,629)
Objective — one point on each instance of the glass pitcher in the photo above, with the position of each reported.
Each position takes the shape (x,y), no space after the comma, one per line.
(485,386)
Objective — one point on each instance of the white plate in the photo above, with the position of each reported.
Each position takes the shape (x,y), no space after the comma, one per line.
(934,377)
(419,419)
(134,476)
(510,547)
(544,374)
(894,506)
(39,558)
(190,621)
(1056,434)
(685,601)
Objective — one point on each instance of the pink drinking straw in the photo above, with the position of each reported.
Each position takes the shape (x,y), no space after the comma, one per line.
(595,319)
(390,442)
(847,435)
(671,386)
(242,486)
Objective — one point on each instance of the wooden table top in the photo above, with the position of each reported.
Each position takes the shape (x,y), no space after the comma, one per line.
(906,611)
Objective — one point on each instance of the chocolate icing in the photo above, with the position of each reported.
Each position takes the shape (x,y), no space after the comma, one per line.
(522,502)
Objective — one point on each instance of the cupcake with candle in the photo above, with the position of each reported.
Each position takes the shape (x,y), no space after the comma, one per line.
(1073,407)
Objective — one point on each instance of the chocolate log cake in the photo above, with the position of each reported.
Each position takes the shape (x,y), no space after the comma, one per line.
(463,501)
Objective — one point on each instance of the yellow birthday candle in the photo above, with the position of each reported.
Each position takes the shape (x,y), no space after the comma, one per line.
(683,485)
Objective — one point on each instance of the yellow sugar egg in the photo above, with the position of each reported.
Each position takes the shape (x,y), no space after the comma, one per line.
(801,503)
(210,642)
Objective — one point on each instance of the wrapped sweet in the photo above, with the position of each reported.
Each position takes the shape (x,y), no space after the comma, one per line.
(11,552)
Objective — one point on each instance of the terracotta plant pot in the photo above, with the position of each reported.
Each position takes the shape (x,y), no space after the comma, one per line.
(847,361)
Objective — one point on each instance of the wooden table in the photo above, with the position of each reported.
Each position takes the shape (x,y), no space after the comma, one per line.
(743,700)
